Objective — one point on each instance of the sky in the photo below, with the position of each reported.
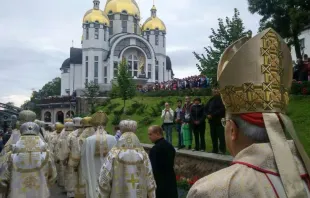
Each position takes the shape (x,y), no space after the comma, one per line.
(36,36)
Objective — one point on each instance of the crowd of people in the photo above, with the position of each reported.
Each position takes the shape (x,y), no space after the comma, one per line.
(190,120)
(87,161)
(191,82)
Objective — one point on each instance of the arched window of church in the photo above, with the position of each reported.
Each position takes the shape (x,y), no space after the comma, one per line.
(133,65)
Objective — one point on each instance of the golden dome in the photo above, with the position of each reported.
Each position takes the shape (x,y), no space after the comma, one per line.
(119,6)
(95,15)
(153,23)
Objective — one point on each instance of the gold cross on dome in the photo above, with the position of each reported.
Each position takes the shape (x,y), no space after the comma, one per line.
(133,181)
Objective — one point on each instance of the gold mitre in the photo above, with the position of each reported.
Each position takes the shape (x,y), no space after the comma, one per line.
(86,122)
(99,119)
(255,74)
(68,120)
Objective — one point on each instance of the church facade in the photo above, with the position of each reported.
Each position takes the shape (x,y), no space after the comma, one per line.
(113,34)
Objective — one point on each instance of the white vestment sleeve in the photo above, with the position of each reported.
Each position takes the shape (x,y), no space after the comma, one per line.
(105,177)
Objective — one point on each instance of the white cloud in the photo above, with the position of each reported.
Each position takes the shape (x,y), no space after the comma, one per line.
(18,100)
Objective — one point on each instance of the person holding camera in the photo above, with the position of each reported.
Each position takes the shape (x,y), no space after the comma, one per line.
(167,115)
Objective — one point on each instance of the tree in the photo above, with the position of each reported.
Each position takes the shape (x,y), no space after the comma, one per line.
(227,33)
(91,92)
(125,86)
(287,17)
(51,88)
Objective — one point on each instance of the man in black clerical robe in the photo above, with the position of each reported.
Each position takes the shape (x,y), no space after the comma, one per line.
(162,159)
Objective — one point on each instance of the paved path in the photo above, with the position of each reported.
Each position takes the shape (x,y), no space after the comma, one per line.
(57,192)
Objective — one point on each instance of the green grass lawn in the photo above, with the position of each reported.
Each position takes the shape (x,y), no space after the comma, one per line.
(299,112)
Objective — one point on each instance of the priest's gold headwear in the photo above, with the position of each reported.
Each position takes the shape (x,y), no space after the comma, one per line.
(68,120)
(99,119)
(59,127)
(255,76)
(86,122)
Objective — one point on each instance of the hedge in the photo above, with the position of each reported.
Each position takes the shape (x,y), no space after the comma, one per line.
(300,88)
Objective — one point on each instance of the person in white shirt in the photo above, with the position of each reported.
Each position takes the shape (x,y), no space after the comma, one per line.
(167,115)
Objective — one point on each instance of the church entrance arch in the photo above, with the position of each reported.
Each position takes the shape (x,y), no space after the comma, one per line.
(47,117)
(137,61)
(60,116)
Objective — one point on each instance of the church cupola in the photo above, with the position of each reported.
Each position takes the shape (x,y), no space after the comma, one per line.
(95,43)
(124,16)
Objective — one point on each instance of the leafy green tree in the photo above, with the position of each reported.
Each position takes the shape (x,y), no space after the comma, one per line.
(51,88)
(287,17)
(92,92)
(125,86)
(229,31)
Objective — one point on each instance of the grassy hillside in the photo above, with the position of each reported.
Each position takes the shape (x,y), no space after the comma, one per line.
(149,114)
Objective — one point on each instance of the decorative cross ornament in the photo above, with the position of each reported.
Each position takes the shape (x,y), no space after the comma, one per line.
(133,181)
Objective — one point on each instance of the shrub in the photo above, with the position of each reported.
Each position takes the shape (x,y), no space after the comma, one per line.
(116,119)
(155,111)
(186,183)
(112,106)
(136,104)
(145,121)
(300,88)
(142,109)
(130,111)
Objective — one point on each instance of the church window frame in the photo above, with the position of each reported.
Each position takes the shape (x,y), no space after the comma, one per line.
(156,39)
(87,33)
(156,70)
(124,26)
(164,41)
(135,28)
(111,28)
(96,33)
(133,65)
(96,69)
(149,71)
(104,34)
(86,69)
(115,69)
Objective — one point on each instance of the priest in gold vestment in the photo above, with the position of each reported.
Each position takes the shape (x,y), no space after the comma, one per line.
(80,191)
(73,156)
(28,170)
(255,76)
(61,152)
(23,117)
(94,151)
(127,171)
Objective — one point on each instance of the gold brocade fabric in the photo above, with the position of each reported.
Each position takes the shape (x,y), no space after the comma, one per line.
(240,179)
(26,171)
(127,171)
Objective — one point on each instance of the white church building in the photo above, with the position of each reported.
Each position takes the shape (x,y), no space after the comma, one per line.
(108,37)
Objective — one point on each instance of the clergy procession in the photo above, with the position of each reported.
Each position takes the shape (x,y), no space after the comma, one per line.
(86,161)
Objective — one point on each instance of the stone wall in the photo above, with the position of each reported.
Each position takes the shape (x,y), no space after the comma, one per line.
(189,163)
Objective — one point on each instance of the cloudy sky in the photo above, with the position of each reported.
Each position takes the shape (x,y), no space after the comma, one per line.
(36,35)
